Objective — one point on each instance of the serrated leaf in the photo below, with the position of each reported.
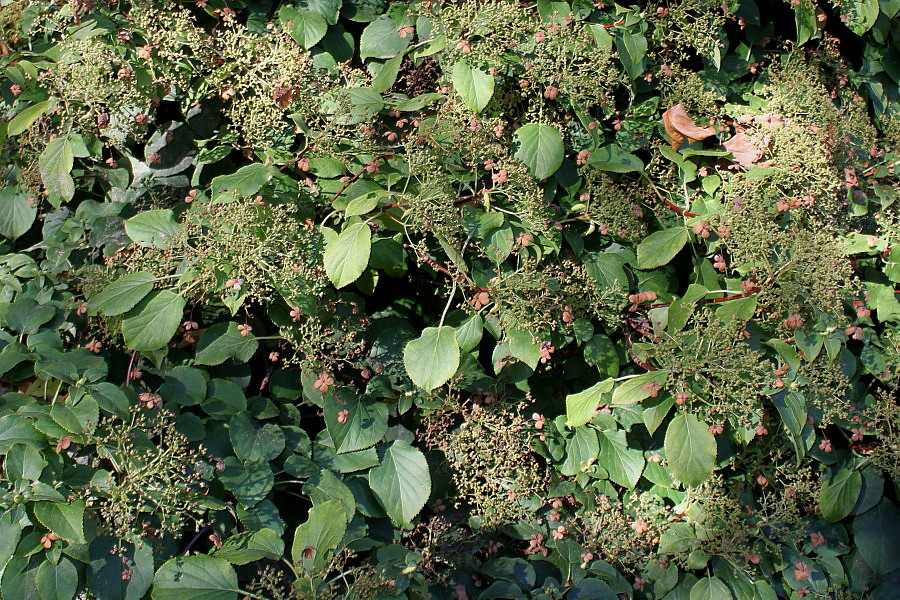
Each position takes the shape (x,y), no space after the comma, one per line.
(319,535)
(223,341)
(876,533)
(660,247)
(152,323)
(244,182)
(839,493)
(381,39)
(17,213)
(26,117)
(432,359)
(306,27)
(614,159)
(57,581)
(121,295)
(474,85)
(631,391)
(347,256)
(248,546)
(364,425)
(710,588)
(109,556)
(861,14)
(65,519)
(623,463)
(153,228)
(580,407)
(690,449)
(402,483)
(196,577)
(253,441)
(55,165)
(540,148)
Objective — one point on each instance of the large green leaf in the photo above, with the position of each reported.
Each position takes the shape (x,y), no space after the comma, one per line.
(364,424)
(57,581)
(56,164)
(580,407)
(195,577)
(319,535)
(223,341)
(153,228)
(250,481)
(152,323)
(248,546)
(540,148)
(244,182)
(305,26)
(582,449)
(65,519)
(402,482)
(109,556)
(17,212)
(623,463)
(614,159)
(659,248)
(432,359)
(632,49)
(710,588)
(26,117)
(121,295)
(381,39)
(839,493)
(16,429)
(861,14)
(474,85)
(254,442)
(347,255)
(876,533)
(690,449)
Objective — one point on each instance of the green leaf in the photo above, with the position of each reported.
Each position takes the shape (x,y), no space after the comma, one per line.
(16,429)
(614,159)
(387,75)
(65,519)
(121,295)
(523,347)
(631,391)
(250,482)
(402,483)
(862,15)
(580,407)
(839,493)
(347,256)
(26,316)
(17,214)
(254,442)
(248,546)
(246,181)
(540,148)
(24,462)
(710,588)
(153,228)
(152,323)
(319,535)
(223,341)
(690,449)
(57,581)
(381,39)
(805,20)
(582,449)
(474,85)
(196,577)
(56,164)
(432,359)
(623,463)
(632,48)
(26,117)
(660,247)
(109,556)
(305,26)
(365,423)
(876,533)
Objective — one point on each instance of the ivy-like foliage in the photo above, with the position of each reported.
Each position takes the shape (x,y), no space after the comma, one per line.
(449,299)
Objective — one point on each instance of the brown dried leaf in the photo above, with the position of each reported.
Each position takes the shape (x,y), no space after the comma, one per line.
(745,152)
(680,126)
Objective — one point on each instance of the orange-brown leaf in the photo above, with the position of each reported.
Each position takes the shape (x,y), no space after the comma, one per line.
(680,126)
(745,151)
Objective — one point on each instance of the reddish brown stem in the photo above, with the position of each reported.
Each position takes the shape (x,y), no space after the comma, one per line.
(679,210)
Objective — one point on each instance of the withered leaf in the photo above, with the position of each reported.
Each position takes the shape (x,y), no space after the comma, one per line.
(745,151)
(681,127)
(285,96)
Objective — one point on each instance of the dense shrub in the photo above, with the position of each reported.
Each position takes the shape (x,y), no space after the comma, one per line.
(326,299)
